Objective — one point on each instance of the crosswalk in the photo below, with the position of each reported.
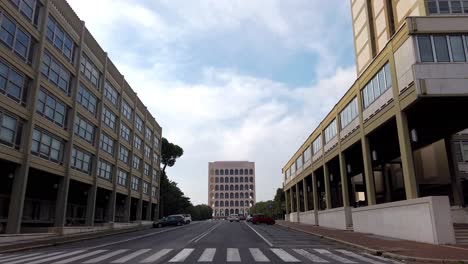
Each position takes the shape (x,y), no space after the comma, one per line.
(202,255)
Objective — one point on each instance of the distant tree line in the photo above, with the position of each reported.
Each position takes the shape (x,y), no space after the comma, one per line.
(275,208)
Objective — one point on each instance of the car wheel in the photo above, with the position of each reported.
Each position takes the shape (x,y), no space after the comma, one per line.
(179,224)
(230,221)
(160,225)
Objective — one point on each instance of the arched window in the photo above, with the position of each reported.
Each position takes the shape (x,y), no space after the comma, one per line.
(251,187)
(231,180)
(241,203)
(237,203)
(241,171)
(221,203)
(221,180)
(216,188)
(216,204)
(246,203)
(226,172)
(216,196)
(226,195)
(237,187)
(241,187)
(211,187)
(226,187)
(246,179)
(241,195)
(236,172)
(226,212)
(226,180)
(251,195)
(241,179)
(231,187)
(232,211)
(231,195)
(231,172)
(237,211)
(221,188)
(246,171)
(246,187)
(221,172)
(251,171)
(236,180)
(237,195)
(246,195)
(251,179)
(217,180)
(216,172)
(221,195)
(226,203)
(231,204)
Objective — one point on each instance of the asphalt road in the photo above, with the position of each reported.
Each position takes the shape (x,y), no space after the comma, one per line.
(209,242)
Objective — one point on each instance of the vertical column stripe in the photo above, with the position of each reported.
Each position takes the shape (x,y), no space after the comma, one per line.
(258,255)
(233,255)
(182,255)
(208,255)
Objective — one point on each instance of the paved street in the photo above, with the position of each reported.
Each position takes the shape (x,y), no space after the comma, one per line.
(212,242)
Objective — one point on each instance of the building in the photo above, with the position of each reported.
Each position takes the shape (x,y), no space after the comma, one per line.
(231,187)
(389,158)
(77,145)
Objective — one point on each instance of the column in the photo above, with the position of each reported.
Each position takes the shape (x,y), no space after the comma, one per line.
(406,152)
(286,202)
(291,197)
(139,211)
(326,178)
(18,193)
(315,198)
(304,191)
(61,205)
(344,180)
(298,200)
(128,208)
(149,209)
(111,206)
(454,172)
(368,171)
(91,205)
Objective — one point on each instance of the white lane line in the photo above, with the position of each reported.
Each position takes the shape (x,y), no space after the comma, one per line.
(333,256)
(356,256)
(262,237)
(89,254)
(131,256)
(57,257)
(382,258)
(8,256)
(106,256)
(283,255)
(18,257)
(208,255)
(258,255)
(156,256)
(202,235)
(182,255)
(309,256)
(233,255)
(34,258)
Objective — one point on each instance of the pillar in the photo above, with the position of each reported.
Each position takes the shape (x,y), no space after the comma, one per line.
(326,178)
(128,208)
(344,180)
(91,205)
(291,204)
(368,171)
(286,201)
(304,191)
(18,194)
(111,206)
(149,209)
(454,172)
(61,204)
(298,200)
(139,212)
(315,197)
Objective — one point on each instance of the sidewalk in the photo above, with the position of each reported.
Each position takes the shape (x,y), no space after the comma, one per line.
(390,247)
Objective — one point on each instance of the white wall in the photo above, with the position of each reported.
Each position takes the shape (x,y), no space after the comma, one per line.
(307,218)
(335,218)
(425,219)
(293,217)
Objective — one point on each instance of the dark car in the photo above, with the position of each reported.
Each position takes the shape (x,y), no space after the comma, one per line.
(172,220)
(242,217)
(262,219)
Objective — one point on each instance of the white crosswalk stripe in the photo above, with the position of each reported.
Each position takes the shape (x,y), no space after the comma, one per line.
(35,257)
(131,256)
(8,256)
(310,256)
(382,258)
(333,256)
(258,255)
(208,255)
(356,256)
(70,260)
(283,255)
(106,256)
(182,255)
(57,257)
(156,256)
(233,255)
(18,257)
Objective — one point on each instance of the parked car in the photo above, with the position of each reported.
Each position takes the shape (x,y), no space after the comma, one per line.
(233,217)
(172,220)
(242,217)
(262,219)
(249,218)
(187,218)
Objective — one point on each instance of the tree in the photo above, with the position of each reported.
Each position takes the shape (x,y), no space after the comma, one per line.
(201,212)
(169,153)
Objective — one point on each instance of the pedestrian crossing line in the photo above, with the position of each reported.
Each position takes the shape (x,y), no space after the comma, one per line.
(356,256)
(233,255)
(258,255)
(207,255)
(309,256)
(283,255)
(333,256)
(156,256)
(35,257)
(106,256)
(10,258)
(70,260)
(57,257)
(382,258)
(182,255)
(131,256)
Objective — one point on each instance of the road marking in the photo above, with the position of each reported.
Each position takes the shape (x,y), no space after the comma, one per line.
(156,256)
(233,255)
(69,260)
(106,256)
(382,258)
(14,257)
(309,255)
(57,257)
(8,256)
(262,237)
(208,255)
(202,235)
(36,257)
(333,256)
(283,255)
(258,255)
(131,256)
(182,255)
(356,256)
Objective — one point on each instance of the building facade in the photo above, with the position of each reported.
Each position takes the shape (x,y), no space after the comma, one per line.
(389,158)
(231,187)
(77,145)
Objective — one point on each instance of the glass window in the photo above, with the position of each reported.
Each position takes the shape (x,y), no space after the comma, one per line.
(456,6)
(147,151)
(330,131)
(145,187)
(154,191)
(307,154)
(122,177)
(124,154)
(125,132)
(27,8)
(12,83)
(107,143)
(87,99)
(136,162)
(137,142)
(349,113)
(458,50)
(425,49)
(108,118)
(155,176)
(10,130)
(148,134)
(465,7)
(90,71)
(441,48)
(56,73)
(317,144)
(46,146)
(81,160)
(15,37)
(155,158)
(299,162)
(127,110)
(373,89)
(138,123)
(111,93)
(60,39)
(105,170)
(135,183)
(51,108)
(84,129)
(432,6)
(146,169)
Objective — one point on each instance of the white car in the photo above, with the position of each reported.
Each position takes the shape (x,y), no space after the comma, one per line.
(233,217)
(187,218)
(249,218)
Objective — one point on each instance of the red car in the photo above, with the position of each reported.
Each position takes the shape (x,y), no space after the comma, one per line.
(259,219)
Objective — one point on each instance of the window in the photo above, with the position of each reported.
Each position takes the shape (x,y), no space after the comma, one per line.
(122,177)
(145,187)
(51,108)
(138,123)
(87,99)
(299,162)
(432,7)
(251,172)
(457,48)
(317,144)
(60,39)
(330,131)
(147,151)
(436,48)
(90,71)
(425,49)
(137,142)
(350,112)
(307,154)
(216,172)
(108,118)
(127,110)
(155,176)
(124,132)
(156,142)
(81,160)
(444,6)
(47,146)
(10,130)
(107,144)
(84,129)
(155,158)
(136,162)
(231,172)
(15,38)
(154,192)
(56,73)
(111,94)
(123,154)
(148,134)
(441,49)
(135,183)
(13,84)
(105,170)
(246,171)
(447,7)
(28,8)
(146,169)
(456,7)
(241,172)
(374,88)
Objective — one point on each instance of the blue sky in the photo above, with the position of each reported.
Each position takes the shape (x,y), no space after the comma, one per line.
(229,79)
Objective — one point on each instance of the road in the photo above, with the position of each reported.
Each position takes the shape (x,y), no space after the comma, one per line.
(209,242)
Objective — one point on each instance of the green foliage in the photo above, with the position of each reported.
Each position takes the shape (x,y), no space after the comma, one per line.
(273,208)
(201,212)
(170,153)
(173,200)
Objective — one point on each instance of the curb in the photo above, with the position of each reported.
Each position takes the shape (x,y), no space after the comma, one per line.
(380,252)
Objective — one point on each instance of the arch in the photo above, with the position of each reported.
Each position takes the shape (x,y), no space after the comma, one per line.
(246,171)
(216,180)
(251,187)
(246,195)
(236,172)
(236,179)
(246,179)
(246,203)
(231,187)
(241,172)
(241,195)
(211,187)
(216,188)
(221,203)
(226,195)
(237,195)
(241,187)
(221,195)
(226,179)
(246,187)
(221,188)
(231,195)
(231,203)
(241,203)
(251,195)
(231,180)
(232,211)
(251,171)
(226,172)
(216,204)
(241,211)
(236,187)
(237,211)
(226,203)
(251,179)
(221,172)
(221,179)
(216,195)
(216,172)
(231,172)
(237,203)
(241,179)
(226,212)
(226,187)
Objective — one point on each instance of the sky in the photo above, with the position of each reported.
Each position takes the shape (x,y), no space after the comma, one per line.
(229,79)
